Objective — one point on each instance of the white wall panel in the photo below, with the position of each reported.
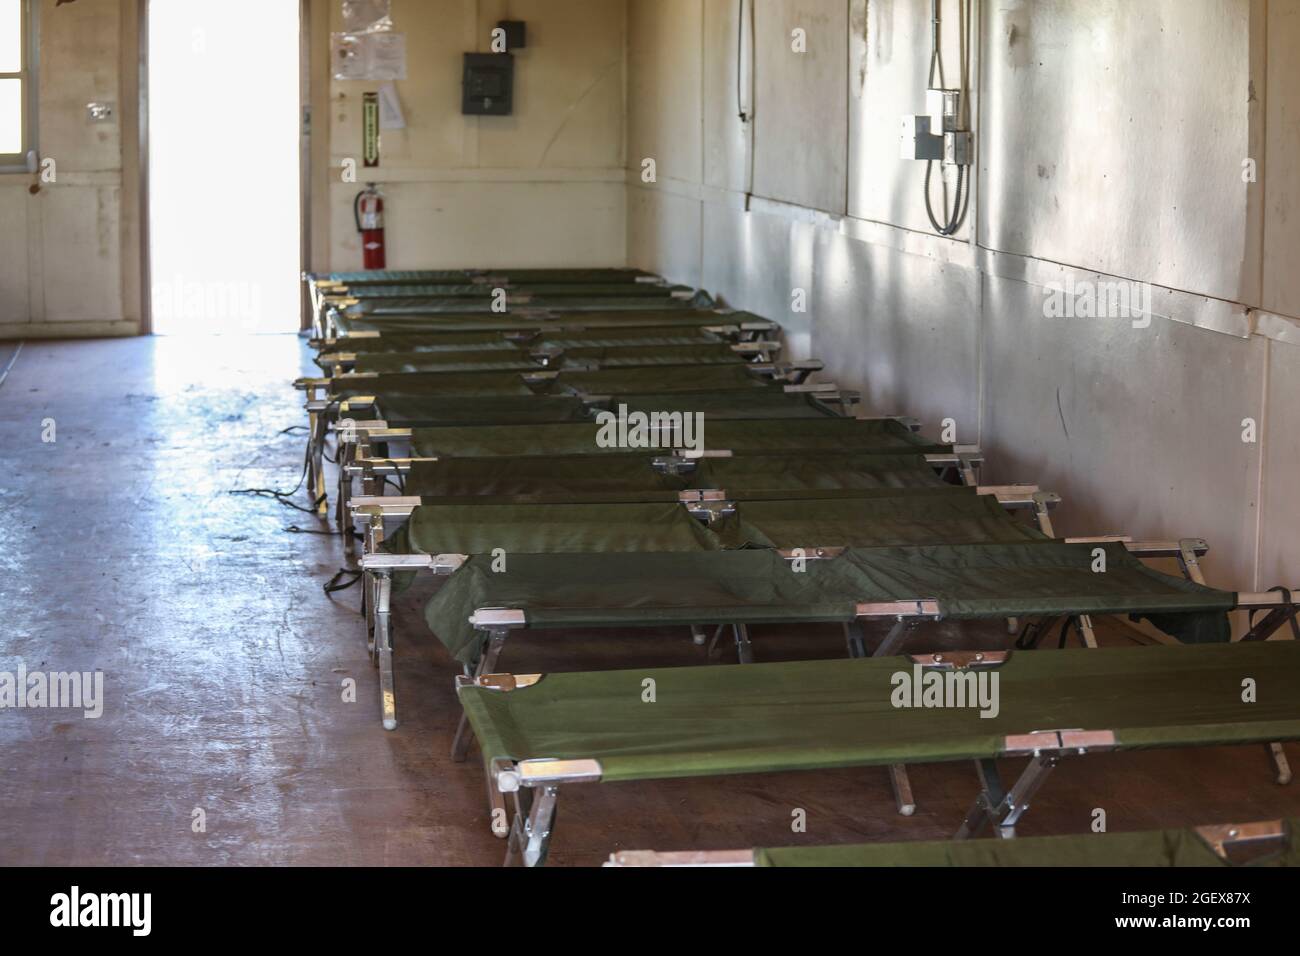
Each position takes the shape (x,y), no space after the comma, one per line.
(902,328)
(665,52)
(15,302)
(1281,178)
(1114,134)
(469,224)
(82,264)
(1279,559)
(1139,429)
(801,103)
(755,261)
(664,234)
(726,136)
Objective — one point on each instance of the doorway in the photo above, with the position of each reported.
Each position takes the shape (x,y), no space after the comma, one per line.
(224,166)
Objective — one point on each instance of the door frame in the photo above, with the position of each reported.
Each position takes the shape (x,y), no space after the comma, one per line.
(304,162)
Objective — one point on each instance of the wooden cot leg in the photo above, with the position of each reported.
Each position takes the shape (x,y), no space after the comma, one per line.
(1280,763)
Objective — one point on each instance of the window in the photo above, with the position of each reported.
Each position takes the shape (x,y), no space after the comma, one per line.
(17,82)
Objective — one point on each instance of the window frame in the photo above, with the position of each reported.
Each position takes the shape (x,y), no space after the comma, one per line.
(28,76)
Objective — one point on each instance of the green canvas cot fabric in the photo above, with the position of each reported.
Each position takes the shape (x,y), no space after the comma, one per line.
(670,378)
(526,359)
(420,305)
(752,476)
(531,339)
(728,404)
(827,435)
(493,360)
(824,714)
(637,589)
(604,290)
(454,411)
(1048,578)
(538,276)
(427,342)
(524,340)
(537,527)
(755,476)
(353,320)
(460,383)
(970,581)
(1146,849)
(418,412)
(548,529)
(576,477)
(961,517)
(714,353)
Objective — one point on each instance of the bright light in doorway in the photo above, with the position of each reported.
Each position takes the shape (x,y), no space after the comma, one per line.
(224,175)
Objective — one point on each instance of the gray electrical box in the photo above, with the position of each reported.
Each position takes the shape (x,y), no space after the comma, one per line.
(488,84)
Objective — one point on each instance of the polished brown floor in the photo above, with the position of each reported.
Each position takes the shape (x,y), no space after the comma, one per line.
(122,550)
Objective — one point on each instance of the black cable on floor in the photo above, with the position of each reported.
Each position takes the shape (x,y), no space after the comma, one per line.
(336,583)
(12,361)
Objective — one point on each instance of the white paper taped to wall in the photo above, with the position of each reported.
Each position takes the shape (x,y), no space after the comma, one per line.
(368,56)
(390,108)
(367,16)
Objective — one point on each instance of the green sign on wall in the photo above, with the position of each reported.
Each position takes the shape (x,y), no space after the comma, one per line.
(370,129)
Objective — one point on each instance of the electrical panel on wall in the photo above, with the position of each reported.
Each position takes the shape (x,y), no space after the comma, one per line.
(488,84)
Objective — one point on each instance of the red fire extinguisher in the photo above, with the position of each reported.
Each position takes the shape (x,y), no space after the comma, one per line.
(368,209)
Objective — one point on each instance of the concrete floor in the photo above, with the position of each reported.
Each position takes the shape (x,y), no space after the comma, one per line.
(122,550)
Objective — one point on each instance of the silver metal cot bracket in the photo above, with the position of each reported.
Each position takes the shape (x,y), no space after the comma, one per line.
(702,496)
(1043,502)
(961,660)
(922,609)
(440,564)
(369,467)
(1002,808)
(795,373)
(535,786)
(1257,839)
(383,645)
(811,554)
(688,858)
(709,511)
(907,421)
(493,618)
(1189,553)
(906,615)
(501,683)
(357,402)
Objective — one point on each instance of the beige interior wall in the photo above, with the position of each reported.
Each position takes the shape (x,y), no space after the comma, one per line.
(543,187)
(1112,140)
(68,264)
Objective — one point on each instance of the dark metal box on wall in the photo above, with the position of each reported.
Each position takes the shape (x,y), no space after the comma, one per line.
(488,84)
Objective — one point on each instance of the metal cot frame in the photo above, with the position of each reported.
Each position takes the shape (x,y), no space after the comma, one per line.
(533,785)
